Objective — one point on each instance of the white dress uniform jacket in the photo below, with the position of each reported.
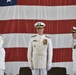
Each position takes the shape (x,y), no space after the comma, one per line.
(74,55)
(2,55)
(40,52)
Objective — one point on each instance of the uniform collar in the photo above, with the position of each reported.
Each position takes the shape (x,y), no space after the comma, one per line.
(40,35)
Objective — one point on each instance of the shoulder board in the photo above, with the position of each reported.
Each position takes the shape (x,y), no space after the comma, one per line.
(47,36)
(34,36)
(1,35)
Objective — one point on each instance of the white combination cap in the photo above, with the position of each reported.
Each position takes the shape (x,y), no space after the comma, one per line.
(74,29)
(39,25)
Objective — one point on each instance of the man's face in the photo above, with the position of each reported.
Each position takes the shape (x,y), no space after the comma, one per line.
(40,31)
(74,35)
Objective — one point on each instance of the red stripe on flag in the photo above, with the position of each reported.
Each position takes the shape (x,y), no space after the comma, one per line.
(62,55)
(16,54)
(20,54)
(47,2)
(27,26)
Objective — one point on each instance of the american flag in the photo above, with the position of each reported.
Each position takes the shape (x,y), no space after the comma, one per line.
(17,18)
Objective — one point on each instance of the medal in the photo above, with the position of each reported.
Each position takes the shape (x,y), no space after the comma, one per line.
(44,42)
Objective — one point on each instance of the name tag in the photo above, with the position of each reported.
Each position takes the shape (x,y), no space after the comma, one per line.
(34,40)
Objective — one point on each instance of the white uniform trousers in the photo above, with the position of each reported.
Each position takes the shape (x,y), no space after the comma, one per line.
(1,72)
(39,72)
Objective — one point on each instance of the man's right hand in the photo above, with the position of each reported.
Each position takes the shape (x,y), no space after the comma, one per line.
(31,68)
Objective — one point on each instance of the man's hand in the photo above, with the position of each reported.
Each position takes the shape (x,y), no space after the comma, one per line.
(48,68)
(31,68)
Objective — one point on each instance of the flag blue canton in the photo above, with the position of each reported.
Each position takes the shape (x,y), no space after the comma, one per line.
(8,2)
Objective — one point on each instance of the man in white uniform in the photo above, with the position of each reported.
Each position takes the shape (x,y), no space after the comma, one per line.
(74,49)
(2,57)
(40,51)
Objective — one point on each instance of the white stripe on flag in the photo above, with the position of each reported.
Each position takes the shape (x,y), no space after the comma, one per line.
(15,69)
(21,40)
(38,12)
